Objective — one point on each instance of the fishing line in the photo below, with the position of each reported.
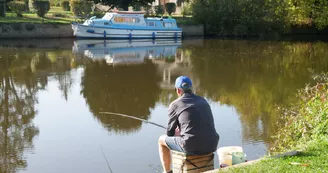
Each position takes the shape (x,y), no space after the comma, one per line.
(128,116)
(106,159)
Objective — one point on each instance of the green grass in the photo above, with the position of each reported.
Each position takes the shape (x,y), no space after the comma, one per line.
(57,15)
(66,17)
(315,155)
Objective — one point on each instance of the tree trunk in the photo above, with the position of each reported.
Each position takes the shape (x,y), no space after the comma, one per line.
(2,8)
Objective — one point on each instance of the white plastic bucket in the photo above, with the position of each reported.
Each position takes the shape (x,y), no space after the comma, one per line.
(225,154)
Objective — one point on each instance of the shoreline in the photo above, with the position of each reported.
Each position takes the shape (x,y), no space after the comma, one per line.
(251,162)
(62,31)
(35,30)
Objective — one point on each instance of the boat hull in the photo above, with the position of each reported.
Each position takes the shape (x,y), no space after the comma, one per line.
(84,31)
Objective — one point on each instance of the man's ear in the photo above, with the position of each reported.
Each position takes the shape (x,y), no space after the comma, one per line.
(179,91)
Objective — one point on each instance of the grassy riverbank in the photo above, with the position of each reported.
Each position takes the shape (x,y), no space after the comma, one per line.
(55,16)
(304,128)
(58,16)
(314,156)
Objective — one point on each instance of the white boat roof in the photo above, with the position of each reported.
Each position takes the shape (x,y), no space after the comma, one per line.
(110,14)
(132,13)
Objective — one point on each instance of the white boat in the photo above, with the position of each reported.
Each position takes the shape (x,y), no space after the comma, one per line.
(116,52)
(127,25)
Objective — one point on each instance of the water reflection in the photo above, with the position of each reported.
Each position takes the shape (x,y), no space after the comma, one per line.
(127,51)
(256,78)
(18,88)
(56,64)
(137,78)
(132,87)
(22,74)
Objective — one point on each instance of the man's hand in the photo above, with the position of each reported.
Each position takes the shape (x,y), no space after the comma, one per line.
(177,132)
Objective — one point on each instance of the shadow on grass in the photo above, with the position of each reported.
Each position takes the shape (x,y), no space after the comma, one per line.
(305,154)
(10,19)
(59,19)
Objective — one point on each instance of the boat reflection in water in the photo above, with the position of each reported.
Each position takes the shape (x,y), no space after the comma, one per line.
(124,76)
(127,51)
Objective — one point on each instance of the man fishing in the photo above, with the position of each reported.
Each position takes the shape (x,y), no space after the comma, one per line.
(190,125)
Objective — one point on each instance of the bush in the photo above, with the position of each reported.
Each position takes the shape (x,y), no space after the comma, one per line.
(186,9)
(81,8)
(307,120)
(18,7)
(235,17)
(65,5)
(159,10)
(55,3)
(170,7)
(148,10)
(136,7)
(42,8)
(98,14)
(2,8)
(58,14)
(308,13)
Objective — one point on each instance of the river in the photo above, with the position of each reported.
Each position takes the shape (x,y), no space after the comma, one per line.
(51,93)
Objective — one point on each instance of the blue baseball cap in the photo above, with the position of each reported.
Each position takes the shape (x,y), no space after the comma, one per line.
(183,82)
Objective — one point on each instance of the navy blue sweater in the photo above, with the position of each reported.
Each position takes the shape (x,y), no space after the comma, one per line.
(193,115)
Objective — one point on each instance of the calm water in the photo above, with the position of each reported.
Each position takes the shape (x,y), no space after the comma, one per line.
(51,93)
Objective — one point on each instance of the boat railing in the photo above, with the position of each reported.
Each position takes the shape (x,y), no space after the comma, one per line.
(79,18)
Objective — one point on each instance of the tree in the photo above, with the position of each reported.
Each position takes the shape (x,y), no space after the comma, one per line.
(182,1)
(131,90)
(241,17)
(81,8)
(308,12)
(2,8)
(170,7)
(42,7)
(124,4)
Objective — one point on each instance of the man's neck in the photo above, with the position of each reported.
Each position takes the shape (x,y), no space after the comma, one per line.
(186,94)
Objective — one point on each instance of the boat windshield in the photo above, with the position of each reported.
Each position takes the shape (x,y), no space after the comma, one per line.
(107,16)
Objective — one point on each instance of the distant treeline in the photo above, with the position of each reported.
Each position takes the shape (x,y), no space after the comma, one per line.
(258,17)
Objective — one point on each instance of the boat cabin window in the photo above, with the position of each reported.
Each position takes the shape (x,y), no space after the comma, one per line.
(106,23)
(168,25)
(127,55)
(107,16)
(150,23)
(126,19)
(98,23)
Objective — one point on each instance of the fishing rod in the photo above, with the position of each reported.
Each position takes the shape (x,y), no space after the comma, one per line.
(128,116)
(110,169)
